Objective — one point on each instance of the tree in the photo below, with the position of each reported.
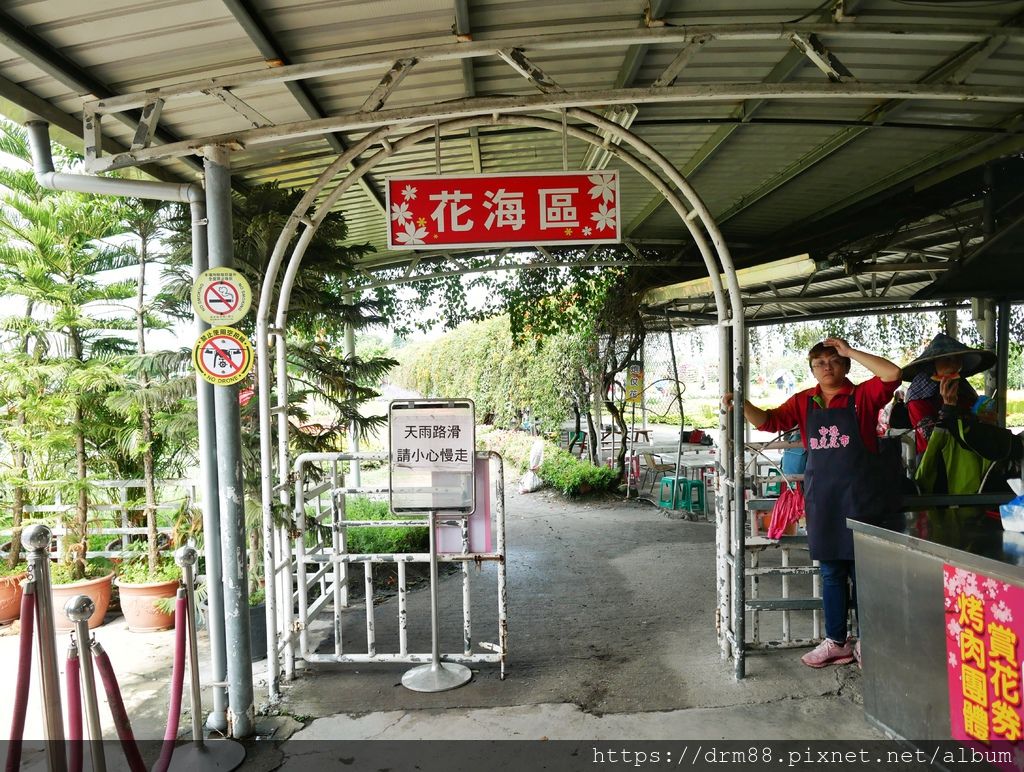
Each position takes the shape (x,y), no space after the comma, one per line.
(55,252)
(154,387)
(320,308)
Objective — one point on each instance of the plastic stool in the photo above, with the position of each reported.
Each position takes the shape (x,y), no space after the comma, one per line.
(687,490)
(773,487)
(686,487)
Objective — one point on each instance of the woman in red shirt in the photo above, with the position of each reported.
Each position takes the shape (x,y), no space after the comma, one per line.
(845,476)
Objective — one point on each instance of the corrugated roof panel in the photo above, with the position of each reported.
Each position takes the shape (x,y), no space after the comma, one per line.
(871,162)
(500,18)
(310,31)
(137,44)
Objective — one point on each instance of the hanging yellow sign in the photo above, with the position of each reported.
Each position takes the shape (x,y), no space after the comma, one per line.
(634,382)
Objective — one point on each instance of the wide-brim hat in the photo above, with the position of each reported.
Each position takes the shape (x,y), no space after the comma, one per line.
(975,360)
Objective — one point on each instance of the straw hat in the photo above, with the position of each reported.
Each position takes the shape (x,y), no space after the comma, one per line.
(975,360)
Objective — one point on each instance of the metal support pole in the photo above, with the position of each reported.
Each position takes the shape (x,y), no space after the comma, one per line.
(437,676)
(1002,359)
(679,398)
(220,754)
(78,609)
(724,499)
(218,718)
(241,712)
(36,540)
(949,321)
(739,346)
(987,326)
(353,429)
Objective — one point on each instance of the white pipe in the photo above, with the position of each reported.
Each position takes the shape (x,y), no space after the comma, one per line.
(42,162)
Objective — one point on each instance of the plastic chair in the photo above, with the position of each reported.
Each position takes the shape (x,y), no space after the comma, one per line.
(773,487)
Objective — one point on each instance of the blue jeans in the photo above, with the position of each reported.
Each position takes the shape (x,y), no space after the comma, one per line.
(838,595)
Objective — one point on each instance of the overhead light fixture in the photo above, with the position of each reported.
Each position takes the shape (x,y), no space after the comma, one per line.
(598,156)
(788,268)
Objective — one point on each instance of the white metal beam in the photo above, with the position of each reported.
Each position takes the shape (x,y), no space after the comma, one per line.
(419,114)
(375,101)
(896,33)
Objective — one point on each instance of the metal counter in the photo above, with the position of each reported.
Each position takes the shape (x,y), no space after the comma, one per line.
(900,607)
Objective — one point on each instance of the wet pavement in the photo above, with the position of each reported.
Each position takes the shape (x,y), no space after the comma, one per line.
(611,635)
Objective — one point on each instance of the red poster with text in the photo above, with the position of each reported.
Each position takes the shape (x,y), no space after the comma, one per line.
(984,621)
(503,209)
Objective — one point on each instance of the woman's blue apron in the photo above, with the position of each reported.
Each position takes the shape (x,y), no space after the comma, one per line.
(843,480)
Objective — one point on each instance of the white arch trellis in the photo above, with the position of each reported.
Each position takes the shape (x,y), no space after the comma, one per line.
(646,161)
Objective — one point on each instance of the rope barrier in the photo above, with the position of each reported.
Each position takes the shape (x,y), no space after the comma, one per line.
(24,680)
(122,723)
(177,683)
(84,653)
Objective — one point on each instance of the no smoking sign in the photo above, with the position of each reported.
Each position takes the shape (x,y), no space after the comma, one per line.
(221,296)
(222,356)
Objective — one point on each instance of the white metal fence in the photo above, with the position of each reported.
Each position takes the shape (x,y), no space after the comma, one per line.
(312,570)
(112,510)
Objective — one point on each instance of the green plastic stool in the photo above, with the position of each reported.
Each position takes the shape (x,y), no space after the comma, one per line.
(773,487)
(687,487)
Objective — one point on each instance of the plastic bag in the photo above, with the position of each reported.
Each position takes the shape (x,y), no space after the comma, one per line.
(1012,515)
(788,509)
(531,480)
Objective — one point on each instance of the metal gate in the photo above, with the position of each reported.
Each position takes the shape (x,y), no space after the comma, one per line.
(311,580)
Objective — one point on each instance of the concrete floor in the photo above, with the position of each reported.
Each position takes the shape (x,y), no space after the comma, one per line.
(611,620)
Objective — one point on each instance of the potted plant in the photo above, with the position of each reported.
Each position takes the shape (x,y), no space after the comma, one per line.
(141,588)
(258,624)
(148,582)
(11,577)
(75,576)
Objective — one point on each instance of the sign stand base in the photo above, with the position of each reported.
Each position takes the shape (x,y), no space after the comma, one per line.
(438,677)
(211,756)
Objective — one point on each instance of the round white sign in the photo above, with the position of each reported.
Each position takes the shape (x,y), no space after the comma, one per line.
(221,296)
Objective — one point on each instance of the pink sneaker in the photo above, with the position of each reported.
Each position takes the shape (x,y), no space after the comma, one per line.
(828,652)
(856,653)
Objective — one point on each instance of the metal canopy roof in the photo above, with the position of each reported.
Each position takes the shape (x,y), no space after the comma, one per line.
(880,137)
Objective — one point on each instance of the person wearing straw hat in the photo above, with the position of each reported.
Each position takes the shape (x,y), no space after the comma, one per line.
(937,377)
(846,476)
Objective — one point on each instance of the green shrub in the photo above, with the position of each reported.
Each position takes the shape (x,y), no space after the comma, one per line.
(563,471)
(513,447)
(389,539)
(6,570)
(61,573)
(136,571)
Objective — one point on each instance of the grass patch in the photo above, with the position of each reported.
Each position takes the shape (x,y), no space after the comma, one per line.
(385,539)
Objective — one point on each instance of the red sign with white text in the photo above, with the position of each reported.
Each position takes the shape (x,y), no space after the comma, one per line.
(984,624)
(483,210)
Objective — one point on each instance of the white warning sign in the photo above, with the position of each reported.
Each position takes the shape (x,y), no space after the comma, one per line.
(221,296)
(222,356)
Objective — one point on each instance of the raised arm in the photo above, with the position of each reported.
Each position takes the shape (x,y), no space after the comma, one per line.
(754,415)
(879,366)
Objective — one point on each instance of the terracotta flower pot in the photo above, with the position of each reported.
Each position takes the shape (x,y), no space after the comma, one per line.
(97,589)
(138,604)
(10,597)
